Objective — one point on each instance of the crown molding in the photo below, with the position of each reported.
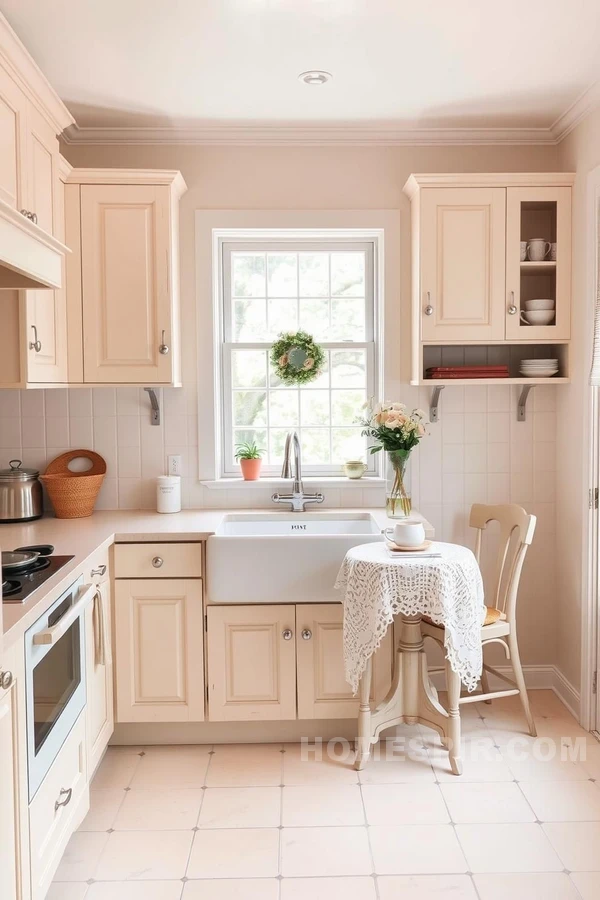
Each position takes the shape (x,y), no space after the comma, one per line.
(170,177)
(587,101)
(366,134)
(487,179)
(23,69)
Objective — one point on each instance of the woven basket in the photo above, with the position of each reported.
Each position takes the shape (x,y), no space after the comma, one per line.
(73,494)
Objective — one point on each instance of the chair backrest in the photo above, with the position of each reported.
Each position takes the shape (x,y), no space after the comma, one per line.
(516,534)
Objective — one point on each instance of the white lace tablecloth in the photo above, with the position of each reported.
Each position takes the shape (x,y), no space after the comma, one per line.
(448,590)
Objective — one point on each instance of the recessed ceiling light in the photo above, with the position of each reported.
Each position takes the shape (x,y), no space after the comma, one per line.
(314,76)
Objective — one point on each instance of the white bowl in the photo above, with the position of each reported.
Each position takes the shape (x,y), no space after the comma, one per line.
(540,373)
(539,362)
(539,304)
(539,317)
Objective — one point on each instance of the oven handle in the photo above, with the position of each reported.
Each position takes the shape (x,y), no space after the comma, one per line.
(51,635)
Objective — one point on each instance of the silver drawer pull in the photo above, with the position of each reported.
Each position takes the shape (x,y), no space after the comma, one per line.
(306,634)
(35,344)
(287,634)
(67,793)
(163,348)
(6,679)
(157,562)
(101,570)
(29,215)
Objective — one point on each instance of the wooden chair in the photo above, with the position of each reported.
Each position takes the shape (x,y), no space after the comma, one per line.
(500,626)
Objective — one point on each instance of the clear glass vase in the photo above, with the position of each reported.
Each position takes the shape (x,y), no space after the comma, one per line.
(397,484)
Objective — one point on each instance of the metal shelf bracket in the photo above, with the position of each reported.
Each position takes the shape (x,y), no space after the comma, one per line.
(521,408)
(155,412)
(434,415)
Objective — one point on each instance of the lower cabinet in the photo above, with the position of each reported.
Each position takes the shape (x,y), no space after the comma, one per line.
(251,663)
(283,662)
(323,692)
(99,674)
(11,807)
(158,650)
(57,809)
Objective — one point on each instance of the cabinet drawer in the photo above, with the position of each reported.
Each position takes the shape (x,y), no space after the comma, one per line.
(158,560)
(50,827)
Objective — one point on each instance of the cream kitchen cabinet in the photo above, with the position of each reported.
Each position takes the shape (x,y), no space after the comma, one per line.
(99,670)
(12,807)
(158,650)
(282,662)
(251,663)
(13,154)
(323,692)
(469,284)
(122,282)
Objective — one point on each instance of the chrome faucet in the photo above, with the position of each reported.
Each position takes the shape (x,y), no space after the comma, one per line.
(297,499)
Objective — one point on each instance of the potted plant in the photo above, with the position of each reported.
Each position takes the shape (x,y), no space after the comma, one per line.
(249,457)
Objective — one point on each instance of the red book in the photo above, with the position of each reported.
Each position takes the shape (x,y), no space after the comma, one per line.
(441,376)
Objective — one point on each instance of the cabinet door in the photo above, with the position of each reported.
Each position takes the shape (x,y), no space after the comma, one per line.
(462,267)
(9,793)
(13,142)
(323,692)
(45,314)
(99,709)
(125,253)
(543,213)
(158,648)
(251,663)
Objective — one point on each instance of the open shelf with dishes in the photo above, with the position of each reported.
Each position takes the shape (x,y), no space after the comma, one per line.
(519,363)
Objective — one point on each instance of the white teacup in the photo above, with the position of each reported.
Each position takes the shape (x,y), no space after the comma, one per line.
(408,533)
(538,249)
(523,251)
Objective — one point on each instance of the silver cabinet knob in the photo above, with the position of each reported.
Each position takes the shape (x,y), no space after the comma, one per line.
(287,634)
(66,794)
(101,570)
(306,634)
(429,307)
(163,348)
(6,679)
(35,344)
(512,310)
(29,215)
(157,562)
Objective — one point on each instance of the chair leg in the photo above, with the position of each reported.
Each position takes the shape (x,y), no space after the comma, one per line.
(485,685)
(453,737)
(520,680)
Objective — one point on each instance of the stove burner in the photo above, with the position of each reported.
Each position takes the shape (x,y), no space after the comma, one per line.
(42,562)
(10,587)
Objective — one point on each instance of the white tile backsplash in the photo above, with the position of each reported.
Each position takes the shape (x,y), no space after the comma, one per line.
(477,452)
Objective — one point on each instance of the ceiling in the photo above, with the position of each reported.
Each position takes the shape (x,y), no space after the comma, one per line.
(509,68)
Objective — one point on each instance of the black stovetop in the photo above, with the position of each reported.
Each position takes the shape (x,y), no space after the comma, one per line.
(17,588)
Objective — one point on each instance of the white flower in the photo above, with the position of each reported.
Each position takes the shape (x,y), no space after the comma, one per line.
(421,413)
(400,407)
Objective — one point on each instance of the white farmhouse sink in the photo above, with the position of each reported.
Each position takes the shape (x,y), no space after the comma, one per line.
(283,557)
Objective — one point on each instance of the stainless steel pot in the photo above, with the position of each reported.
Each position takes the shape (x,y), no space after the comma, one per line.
(20,493)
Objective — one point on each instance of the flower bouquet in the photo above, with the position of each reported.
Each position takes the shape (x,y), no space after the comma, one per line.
(397,432)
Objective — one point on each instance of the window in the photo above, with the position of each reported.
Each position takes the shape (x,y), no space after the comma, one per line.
(327,288)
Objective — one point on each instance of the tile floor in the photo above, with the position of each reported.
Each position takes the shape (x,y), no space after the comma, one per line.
(259,822)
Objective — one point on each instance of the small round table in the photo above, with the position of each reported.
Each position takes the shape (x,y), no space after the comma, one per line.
(379,586)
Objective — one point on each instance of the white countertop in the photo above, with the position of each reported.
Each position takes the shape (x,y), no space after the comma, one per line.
(84,537)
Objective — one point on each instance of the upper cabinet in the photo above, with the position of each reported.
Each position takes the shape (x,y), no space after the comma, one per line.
(31,117)
(491,272)
(122,282)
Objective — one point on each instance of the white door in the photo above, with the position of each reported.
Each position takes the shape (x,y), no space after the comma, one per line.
(462,267)
(545,213)
(125,257)
(9,792)
(13,142)
(99,671)
(158,650)
(251,663)
(323,692)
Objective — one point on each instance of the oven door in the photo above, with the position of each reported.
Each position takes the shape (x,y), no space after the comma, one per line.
(55,678)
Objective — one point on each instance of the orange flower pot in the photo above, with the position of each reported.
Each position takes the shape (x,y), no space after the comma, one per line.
(251,469)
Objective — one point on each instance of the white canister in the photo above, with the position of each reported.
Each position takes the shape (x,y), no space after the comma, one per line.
(168,494)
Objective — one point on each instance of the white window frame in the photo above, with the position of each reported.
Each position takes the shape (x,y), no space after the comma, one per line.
(276,240)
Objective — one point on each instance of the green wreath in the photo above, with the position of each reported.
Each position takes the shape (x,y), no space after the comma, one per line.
(296,357)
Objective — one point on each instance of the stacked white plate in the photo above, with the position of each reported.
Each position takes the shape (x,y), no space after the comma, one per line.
(538,368)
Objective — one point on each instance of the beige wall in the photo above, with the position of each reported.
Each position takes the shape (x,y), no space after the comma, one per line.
(579,152)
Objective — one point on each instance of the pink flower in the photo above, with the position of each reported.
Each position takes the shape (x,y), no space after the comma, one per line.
(283,360)
(309,363)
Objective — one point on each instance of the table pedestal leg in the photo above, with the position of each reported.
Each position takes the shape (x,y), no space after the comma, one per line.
(412,699)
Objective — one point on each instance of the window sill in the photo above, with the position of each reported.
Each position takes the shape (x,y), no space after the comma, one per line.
(314,482)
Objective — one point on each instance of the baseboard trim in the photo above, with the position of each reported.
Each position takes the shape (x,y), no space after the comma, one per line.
(537,678)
